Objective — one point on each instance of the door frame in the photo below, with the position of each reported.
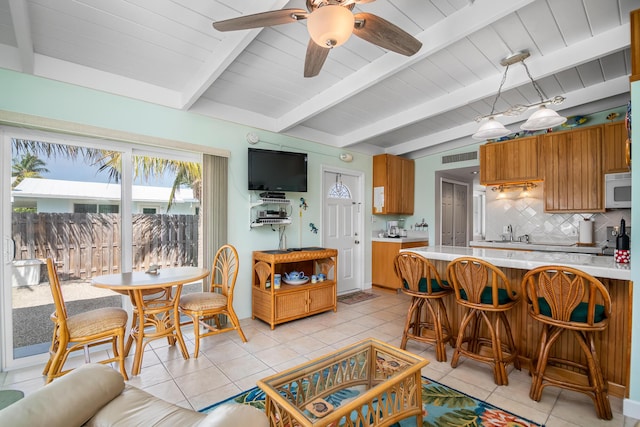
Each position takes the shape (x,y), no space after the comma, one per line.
(359,248)
(441,179)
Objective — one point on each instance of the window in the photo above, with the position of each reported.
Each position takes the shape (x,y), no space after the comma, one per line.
(149,211)
(339,190)
(107,209)
(85,208)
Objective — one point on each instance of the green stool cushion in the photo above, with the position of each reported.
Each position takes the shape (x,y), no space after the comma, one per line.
(487,298)
(422,285)
(579,314)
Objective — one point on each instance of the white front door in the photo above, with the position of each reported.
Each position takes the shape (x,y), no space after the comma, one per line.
(342,225)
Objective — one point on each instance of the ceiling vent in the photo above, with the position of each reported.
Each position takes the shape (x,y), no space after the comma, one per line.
(453,158)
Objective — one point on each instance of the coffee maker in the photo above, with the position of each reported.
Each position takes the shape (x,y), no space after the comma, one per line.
(392,229)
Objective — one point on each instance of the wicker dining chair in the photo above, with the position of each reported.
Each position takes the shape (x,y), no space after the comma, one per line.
(566,299)
(82,331)
(422,283)
(206,306)
(486,294)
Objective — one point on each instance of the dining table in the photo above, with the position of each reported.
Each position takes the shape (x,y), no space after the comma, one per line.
(155,297)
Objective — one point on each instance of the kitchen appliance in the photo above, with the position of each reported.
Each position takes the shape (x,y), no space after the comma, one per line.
(617,190)
(392,229)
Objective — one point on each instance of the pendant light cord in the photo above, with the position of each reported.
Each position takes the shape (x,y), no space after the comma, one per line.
(504,79)
(533,82)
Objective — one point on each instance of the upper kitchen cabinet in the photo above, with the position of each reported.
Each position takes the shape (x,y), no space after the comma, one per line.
(615,147)
(573,178)
(393,184)
(510,161)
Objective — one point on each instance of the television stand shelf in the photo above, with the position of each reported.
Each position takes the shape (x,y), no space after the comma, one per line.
(291,302)
(270,218)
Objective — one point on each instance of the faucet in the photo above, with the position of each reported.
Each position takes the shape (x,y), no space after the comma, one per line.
(510,232)
(524,238)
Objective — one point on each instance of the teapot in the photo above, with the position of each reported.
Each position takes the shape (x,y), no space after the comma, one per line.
(295,275)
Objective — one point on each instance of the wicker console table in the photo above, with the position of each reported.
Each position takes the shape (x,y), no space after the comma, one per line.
(290,302)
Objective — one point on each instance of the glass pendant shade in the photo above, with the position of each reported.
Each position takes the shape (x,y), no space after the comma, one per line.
(331,25)
(543,118)
(491,129)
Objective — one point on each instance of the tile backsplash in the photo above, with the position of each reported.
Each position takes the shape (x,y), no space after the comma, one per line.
(525,213)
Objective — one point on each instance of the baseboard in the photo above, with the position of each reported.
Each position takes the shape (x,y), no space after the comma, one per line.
(631,408)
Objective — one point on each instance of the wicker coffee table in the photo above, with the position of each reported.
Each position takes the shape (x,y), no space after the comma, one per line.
(369,383)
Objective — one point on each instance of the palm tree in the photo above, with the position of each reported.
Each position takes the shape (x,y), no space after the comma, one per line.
(186,173)
(29,166)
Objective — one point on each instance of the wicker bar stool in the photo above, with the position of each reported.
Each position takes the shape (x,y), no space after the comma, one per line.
(423,284)
(565,299)
(485,293)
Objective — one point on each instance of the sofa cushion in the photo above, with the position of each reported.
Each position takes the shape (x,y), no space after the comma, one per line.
(235,415)
(135,407)
(68,401)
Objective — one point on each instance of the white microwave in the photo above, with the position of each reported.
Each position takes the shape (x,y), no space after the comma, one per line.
(617,190)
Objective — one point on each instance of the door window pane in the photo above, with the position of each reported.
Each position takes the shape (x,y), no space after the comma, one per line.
(46,221)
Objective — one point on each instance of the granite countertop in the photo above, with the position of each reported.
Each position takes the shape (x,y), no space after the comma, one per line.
(543,247)
(598,266)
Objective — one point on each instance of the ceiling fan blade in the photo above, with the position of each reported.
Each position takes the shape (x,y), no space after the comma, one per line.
(316,55)
(383,33)
(264,19)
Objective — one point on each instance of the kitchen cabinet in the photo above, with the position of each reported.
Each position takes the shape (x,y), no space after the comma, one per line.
(382,258)
(573,178)
(510,161)
(291,302)
(393,184)
(614,153)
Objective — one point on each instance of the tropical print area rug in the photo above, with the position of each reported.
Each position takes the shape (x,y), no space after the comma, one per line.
(442,406)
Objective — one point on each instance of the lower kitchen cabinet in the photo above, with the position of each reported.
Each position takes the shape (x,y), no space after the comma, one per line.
(291,302)
(382,257)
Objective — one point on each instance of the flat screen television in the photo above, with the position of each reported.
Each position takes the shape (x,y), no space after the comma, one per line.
(280,171)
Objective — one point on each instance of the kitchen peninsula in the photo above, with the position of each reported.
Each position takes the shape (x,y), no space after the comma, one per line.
(613,344)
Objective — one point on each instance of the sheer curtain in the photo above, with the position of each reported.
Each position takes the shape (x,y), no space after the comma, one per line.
(213,207)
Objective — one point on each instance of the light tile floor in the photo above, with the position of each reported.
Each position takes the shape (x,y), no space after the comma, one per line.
(226,366)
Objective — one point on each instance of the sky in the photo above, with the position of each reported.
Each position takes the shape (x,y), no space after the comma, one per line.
(63,168)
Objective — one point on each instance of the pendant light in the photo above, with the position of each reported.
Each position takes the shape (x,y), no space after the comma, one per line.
(542,118)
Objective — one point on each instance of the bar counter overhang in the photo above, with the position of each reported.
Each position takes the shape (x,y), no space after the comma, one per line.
(613,344)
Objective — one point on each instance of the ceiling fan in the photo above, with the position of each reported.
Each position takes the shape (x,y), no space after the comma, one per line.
(330,23)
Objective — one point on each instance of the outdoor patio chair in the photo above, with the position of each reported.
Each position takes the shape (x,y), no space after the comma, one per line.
(205,306)
(83,331)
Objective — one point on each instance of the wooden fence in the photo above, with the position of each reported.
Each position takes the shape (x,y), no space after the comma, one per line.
(87,245)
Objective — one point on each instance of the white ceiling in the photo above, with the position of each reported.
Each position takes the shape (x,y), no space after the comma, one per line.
(365,99)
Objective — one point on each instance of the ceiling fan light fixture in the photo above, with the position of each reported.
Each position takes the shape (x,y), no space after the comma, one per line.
(330,25)
(491,129)
(543,118)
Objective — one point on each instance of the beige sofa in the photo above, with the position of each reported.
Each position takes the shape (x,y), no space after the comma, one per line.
(96,395)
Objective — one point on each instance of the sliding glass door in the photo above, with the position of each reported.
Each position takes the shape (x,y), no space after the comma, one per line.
(93,211)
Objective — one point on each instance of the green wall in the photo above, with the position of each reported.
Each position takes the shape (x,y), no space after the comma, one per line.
(22,93)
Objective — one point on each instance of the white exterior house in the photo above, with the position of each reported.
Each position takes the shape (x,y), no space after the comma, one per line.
(60,196)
